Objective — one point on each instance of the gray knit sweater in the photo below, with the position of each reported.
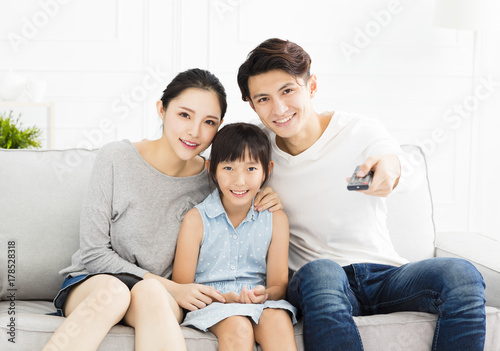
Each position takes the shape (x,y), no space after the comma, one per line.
(131,214)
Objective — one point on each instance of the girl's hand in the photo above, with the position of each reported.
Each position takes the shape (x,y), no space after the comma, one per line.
(232,297)
(256,295)
(267,199)
(195,296)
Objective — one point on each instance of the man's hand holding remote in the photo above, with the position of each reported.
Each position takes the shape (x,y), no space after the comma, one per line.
(387,170)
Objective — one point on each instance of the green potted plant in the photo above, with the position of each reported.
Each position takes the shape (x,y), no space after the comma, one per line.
(13,136)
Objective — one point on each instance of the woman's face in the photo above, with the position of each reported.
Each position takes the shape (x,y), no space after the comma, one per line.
(191,121)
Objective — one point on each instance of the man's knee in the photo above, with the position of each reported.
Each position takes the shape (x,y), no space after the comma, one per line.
(319,283)
(457,272)
(321,272)
(460,284)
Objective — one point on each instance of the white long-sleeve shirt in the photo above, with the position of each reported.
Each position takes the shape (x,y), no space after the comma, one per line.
(327,220)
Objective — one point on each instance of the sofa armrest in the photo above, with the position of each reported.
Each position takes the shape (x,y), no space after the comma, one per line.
(480,250)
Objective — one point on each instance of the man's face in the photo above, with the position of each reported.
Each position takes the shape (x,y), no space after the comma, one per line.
(282,102)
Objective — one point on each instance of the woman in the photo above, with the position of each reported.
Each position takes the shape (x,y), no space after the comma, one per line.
(130,219)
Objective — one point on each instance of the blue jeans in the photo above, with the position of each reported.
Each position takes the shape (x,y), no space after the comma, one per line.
(328,296)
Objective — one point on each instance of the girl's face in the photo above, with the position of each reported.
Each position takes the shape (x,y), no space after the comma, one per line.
(239,181)
(191,121)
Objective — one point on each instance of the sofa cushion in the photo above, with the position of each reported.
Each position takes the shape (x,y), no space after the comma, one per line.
(409,331)
(42,192)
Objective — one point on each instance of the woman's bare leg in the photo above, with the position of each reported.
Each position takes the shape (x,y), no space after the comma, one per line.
(92,308)
(155,316)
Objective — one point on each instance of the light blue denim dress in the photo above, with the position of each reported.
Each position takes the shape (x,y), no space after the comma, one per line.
(231,259)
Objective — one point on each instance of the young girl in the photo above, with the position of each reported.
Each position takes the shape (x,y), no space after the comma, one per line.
(131,215)
(224,244)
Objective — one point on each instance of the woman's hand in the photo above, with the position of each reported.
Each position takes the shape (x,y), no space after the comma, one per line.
(256,295)
(193,297)
(267,199)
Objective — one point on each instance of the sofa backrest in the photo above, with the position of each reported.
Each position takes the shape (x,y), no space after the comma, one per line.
(41,192)
(410,211)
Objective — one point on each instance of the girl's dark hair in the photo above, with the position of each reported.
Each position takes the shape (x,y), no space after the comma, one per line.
(195,78)
(274,54)
(231,143)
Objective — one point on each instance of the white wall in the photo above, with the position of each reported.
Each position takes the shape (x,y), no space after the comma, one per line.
(107,62)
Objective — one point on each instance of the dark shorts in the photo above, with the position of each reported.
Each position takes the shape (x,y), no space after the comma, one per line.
(70,282)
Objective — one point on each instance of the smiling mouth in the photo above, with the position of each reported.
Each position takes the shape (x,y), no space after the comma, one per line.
(188,143)
(284,120)
(239,192)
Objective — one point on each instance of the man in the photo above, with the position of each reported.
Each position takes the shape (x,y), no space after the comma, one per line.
(340,248)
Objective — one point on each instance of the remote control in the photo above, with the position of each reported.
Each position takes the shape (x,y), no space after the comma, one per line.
(357,183)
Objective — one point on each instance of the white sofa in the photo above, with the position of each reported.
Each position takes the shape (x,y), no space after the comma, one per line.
(40,196)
